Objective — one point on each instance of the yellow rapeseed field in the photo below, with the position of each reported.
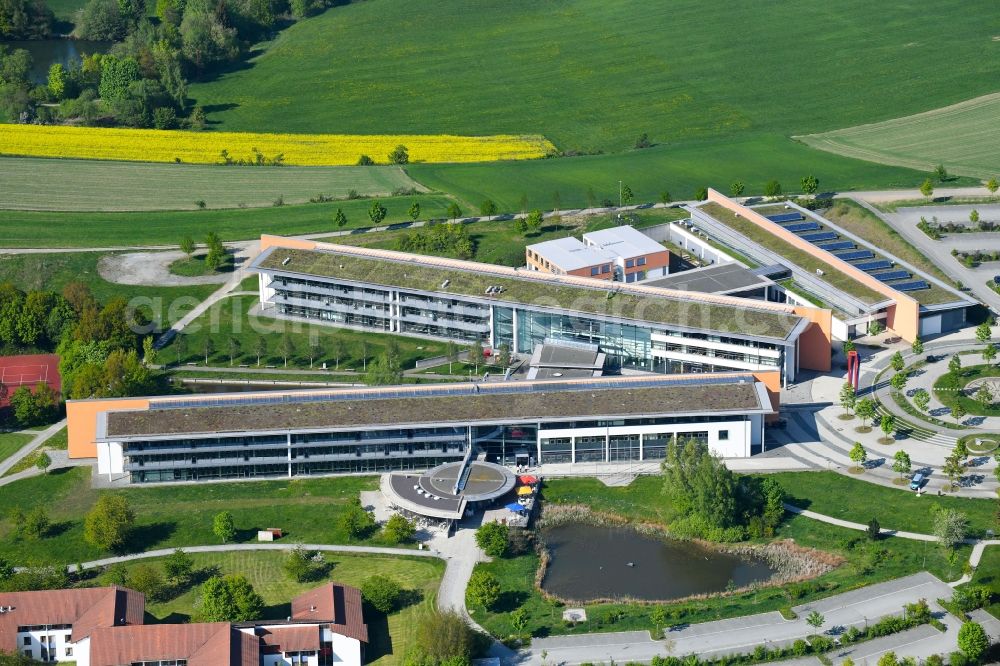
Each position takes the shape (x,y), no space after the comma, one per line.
(100,143)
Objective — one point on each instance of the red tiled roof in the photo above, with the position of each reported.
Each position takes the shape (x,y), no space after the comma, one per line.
(334,604)
(290,637)
(205,644)
(87,609)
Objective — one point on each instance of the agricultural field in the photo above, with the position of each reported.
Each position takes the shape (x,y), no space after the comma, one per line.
(88,185)
(146,145)
(961,136)
(90,229)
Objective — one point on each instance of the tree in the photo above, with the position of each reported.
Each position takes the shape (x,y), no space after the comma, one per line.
(36,523)
(950,526)
(974,216)
(149,353)
(888,659)
(917,347)
(503,356)
(414,211)
(519,620)
(476,353)
(102,20)
(810,184)
(484,589)
(984,396)
(260,348)
(454,211)
(737,188)
(109,524)
(665,197)
(699,486)
(874,327)
(492,539)
(365,160)
(897,362)
(233,345)
(451,353)
(399,155)
(772,188)
(989,353)
(340,219)
(520,225)
(887,424)
(927,188)
(178,566)
(858,454)
(377,212)
(357,522)
(36,407)
(398,529)
(224,526)
(941,173)
(534,220)
(953,468)
(848,346)
(297,565)
(701,194)
(874,530)
(815,619)
(848,397)
(43,462)
(336,348)
(984,332)
(385,371)
(187,245)
(626,195)
(207,347)
(992,185)
(442,637)
(313,348)
(147,579)
(901,463)
(955,365)
(382,592)
(921,399)
(973,641)
(217,256)
(865,410)
(286,348)
(898,381)
(488,208)
(958,413)
(230,598)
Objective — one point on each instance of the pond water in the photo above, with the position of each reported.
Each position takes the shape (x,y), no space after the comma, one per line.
(589,562)
(47,52)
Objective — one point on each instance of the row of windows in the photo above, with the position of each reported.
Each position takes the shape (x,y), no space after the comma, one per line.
(630,263)
(603,269)
(348,466)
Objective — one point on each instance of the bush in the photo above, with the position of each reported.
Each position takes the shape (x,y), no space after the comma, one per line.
(382,592)
(971,597)
(484,589)
(973,641)
(492,538)
(147,579)
(398,529)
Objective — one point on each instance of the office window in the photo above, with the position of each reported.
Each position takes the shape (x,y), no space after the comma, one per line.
(606,268)
(27,653)
(641,261)
(69,652)
(723,435)
(27,640)
(639,275)
(595,270)
(629,263)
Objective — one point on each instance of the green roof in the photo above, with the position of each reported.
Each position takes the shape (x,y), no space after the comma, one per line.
(535,289)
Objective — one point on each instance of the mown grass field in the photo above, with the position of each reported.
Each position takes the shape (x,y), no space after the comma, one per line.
(10,442)
(90,185)
(89,229)
(53,271)
(961,136)
(170,516)
(390,635)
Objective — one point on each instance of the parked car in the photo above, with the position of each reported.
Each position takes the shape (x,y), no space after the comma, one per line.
(917,481)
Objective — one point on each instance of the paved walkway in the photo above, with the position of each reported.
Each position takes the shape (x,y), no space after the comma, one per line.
(39,439)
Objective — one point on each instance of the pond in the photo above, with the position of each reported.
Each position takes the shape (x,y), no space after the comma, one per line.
(47,52)
(589,562)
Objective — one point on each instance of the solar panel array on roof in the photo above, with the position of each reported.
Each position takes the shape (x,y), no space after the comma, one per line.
(799,227)
(835,245)
(817,236)
(911,286)
(854,255)
(874,265)
(785,217)
(891,275)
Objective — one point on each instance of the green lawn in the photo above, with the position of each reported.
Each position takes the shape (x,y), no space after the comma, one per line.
(10,443)
(865,563)
(498,242)
(84,185)
(53,271)
(181,515)
(390,635)
(950,397)
(859,501)
(988,573)
(230,319)
(195,266)
(960,136)
(63,229)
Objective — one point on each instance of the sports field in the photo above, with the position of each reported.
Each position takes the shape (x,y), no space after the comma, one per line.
(963,137)
(87,185)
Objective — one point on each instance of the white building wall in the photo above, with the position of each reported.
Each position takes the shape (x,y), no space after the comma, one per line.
(741,434)
(699,247)
(346,651)
(82,652)
(60,641)
(110,459)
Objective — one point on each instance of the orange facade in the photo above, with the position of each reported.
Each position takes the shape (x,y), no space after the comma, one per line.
(81,422)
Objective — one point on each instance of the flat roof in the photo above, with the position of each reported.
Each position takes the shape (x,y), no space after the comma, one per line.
(714,279)
(624,241)
(435,404)
(634,302)
(571,254)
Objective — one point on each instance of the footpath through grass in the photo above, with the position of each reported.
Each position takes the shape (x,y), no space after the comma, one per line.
(390,635)
(179,515)
(866,562)
(10,443)
(87,229)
